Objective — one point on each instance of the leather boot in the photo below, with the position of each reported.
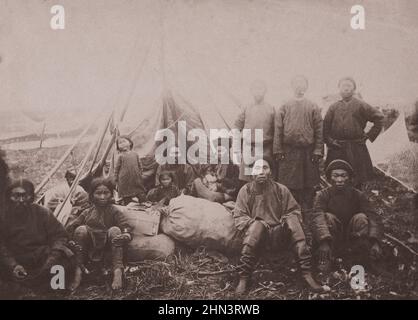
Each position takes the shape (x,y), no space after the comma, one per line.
(248,262)
(252,245)
(303,258)
(243,285)
(359,251)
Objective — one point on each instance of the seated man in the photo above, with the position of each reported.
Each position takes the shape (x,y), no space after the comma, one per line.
(343,213)
(33,239)
(57,194)
(269,215)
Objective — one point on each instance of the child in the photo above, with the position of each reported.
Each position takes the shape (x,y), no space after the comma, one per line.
(128,172)
(98,230)
(165,191)
(210,180)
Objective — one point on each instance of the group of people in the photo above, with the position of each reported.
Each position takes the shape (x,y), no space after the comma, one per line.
(32,240)
(269,207)
(269,202)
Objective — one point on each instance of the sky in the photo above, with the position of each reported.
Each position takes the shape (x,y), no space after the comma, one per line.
(117,52)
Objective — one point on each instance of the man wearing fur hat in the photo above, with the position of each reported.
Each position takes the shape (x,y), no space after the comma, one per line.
(344,134)
(343,216)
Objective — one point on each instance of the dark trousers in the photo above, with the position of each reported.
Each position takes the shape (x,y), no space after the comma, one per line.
(259,234)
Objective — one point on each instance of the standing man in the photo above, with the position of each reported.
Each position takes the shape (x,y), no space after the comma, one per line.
(270,217)
(344,134)
(258,115)
(298,144)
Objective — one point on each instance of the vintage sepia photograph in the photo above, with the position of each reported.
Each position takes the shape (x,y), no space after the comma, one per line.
(211,150)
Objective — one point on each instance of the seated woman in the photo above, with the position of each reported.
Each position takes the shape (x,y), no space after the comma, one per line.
(100,229)
(33,239)
(166,191)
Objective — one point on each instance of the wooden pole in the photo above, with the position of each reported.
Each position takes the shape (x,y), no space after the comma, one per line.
(61,161)
(102,135)
(397,180)
(42,135)
(63,219)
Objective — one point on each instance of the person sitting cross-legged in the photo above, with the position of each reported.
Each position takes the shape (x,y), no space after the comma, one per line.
(269,215)
(342,215)
(32,239)
(100,229)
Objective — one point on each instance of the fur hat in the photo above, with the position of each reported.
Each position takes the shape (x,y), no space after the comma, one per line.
(339,164)
(22,183)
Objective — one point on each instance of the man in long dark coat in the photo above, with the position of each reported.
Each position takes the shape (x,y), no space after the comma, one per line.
(34,240)
(344,134)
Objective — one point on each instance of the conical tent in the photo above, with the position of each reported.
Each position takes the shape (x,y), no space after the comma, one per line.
(394,154)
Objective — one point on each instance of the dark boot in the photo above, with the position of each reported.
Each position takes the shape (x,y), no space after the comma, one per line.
(303,258)
(243,285)
(248,262)
(359,251)
(252,244)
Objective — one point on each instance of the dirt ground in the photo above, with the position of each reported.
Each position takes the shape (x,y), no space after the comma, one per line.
(202,274)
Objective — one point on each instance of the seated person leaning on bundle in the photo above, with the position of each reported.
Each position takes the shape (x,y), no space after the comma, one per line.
(166,191)
(100,229)
(343,216)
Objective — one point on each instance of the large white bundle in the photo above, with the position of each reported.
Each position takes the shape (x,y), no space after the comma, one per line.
(198,222)
(158,247)
(146,244)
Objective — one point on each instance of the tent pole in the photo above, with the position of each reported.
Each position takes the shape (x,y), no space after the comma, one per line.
(60,217)
(100,142)
(42,135)
(122,114)
(63,158)
(397,180)
(162,47)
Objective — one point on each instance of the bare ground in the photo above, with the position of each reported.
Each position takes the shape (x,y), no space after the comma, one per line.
(199,274)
